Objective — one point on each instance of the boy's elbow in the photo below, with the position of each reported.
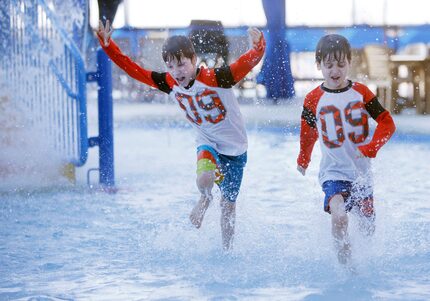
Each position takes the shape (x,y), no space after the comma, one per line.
(391,123)
(387,121)
(394,128)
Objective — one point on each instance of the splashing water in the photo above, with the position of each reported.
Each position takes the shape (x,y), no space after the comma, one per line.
(139,243)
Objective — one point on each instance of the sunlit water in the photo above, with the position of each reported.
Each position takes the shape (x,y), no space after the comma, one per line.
(78,244)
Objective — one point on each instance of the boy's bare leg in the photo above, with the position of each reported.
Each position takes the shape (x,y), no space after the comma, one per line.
(199,210)
(205,182)
(339,222)
(228,218)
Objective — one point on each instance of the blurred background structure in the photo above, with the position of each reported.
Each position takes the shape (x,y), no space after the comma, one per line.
(390,41)
(49,57)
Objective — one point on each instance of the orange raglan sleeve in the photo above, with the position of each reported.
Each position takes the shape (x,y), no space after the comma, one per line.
(385,127)
(308,128)
(228,76)
(244,64)
(161,81)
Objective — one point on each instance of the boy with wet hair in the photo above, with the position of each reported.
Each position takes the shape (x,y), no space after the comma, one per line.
(208,102)
(337,113)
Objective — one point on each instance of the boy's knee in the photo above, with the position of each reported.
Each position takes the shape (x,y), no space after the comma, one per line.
(205,180)
(337,206)
(205,175)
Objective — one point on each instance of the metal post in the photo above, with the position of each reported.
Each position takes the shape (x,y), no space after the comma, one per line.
(105,108)
(5,36)
(276,71)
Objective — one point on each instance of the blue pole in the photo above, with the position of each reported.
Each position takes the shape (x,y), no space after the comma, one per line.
(105,107)
(276,71)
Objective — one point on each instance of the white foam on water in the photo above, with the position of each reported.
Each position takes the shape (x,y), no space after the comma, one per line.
(139,244)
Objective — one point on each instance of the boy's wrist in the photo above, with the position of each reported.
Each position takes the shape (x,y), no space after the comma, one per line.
(261,44)
(302,161)
(368,150)
(301,169)
(103,42)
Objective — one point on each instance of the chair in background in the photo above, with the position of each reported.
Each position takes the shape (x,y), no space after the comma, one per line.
(357,71)
(408,69)
(377,69)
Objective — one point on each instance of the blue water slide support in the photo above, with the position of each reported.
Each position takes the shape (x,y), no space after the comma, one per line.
(105,108)
(276,72)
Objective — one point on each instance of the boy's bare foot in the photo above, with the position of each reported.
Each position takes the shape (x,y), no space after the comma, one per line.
(344,253)
(199,210)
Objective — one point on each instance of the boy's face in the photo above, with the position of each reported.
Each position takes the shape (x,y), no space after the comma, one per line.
(183,71)
(334,71)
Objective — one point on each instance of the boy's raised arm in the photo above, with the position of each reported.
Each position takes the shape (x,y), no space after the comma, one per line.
(151,78)
(244,64)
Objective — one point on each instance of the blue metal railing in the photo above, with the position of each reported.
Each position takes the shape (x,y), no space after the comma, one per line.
(44,71)
(46,75)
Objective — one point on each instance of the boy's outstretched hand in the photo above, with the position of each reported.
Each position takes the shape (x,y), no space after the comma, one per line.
(301,170)
(359,154)
(256,37)
(105,32)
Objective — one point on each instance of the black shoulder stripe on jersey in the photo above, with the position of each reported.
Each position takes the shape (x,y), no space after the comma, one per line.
(161,82)
(224,77)
(374,108)
(309,117)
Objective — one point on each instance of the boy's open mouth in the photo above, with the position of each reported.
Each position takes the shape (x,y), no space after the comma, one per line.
(180,79)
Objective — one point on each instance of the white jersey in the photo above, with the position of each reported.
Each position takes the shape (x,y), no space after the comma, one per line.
(214,113)
(341,120)
(342,123)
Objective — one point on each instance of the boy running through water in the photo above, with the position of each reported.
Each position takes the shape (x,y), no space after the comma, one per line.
(208,102)
(337,113)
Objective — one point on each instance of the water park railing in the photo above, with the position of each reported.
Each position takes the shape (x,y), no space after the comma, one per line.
(45,73)
(47,76)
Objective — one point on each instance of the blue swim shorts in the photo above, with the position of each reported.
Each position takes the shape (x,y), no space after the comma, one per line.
(354,194)
(228,170)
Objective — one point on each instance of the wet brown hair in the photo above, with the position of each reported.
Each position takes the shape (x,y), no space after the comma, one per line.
(176,47)
(333,46)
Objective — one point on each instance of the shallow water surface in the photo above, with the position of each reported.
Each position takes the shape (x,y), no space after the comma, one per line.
(79,244)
